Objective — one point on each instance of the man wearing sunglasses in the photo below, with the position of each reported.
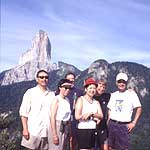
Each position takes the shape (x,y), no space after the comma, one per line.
(35,112)
(121,106)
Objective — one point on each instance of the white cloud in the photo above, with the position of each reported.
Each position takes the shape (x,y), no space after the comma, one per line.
(84,31)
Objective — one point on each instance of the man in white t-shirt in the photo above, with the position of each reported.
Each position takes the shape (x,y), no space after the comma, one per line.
(35,114)
(121,106)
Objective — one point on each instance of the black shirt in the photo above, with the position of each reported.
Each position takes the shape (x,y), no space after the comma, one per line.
(103,100)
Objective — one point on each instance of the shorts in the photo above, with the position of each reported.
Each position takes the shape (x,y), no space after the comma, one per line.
(35,143)
(102,137)
(63,138)
(86,138)
(118,136)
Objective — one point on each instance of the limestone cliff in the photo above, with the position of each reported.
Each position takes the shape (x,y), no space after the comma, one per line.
(40,50)
(37,57)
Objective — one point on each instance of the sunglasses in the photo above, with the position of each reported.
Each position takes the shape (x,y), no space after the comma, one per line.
(71,81)
(122,81)
(66,87)
(42,77)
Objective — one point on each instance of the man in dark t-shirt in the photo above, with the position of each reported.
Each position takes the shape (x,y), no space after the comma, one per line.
(73,96)
(103,98)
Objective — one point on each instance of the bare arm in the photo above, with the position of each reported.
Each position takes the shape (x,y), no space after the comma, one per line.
(54,108)
(25,131)
(136,118)
(108,115)
(99,115)
(137,115)
(78,109)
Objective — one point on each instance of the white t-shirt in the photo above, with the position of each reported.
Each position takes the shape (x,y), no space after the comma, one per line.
(88,108)
(122,105)
(63,111)
(36,107)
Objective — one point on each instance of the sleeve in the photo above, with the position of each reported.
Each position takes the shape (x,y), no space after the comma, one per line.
(51,98)
(78,92)
(110,103)
(26,104)
(136,101)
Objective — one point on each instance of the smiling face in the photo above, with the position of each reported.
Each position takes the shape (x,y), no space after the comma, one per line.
(42,79)
(90,90)
(71,78)
(64,89)
(101,87)
(121,84)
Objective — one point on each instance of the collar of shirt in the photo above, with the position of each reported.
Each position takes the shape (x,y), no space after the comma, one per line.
(45,92)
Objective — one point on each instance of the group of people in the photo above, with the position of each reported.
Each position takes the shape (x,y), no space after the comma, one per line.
(73,119)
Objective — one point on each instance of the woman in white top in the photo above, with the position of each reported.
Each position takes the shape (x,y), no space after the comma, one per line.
(88,112)
(60,118)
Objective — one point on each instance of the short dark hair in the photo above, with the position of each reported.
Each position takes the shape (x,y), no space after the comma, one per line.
(70,73)
(40,72)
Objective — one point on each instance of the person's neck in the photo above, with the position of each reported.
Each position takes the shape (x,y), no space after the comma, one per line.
(43,88)
(99,94)
(89,98)
(122,91)
(61,95)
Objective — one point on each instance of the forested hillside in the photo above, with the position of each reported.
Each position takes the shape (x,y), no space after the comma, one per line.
(139,79)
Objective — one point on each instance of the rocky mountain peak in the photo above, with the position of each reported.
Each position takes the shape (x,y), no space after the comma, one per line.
(99,69)
(35,58)
(40,49)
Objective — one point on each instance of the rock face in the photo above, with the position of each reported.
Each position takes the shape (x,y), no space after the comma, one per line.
(38,57)
(63,68)
(139,75)
(99,69)
(40,50)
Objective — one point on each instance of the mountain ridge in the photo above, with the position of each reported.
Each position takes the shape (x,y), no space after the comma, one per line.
(11,95)
(14,82)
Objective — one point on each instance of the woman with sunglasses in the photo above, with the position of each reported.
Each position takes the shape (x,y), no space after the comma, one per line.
(60,118)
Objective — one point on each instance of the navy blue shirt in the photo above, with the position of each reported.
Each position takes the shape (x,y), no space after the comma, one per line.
(73,96)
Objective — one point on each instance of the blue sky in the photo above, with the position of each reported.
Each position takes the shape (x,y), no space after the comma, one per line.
(81,30)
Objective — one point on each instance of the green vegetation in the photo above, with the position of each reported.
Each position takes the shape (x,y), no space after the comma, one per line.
(10,136)
(11,97)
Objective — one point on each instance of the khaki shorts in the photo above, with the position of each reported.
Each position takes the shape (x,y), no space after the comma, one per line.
(34,142)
